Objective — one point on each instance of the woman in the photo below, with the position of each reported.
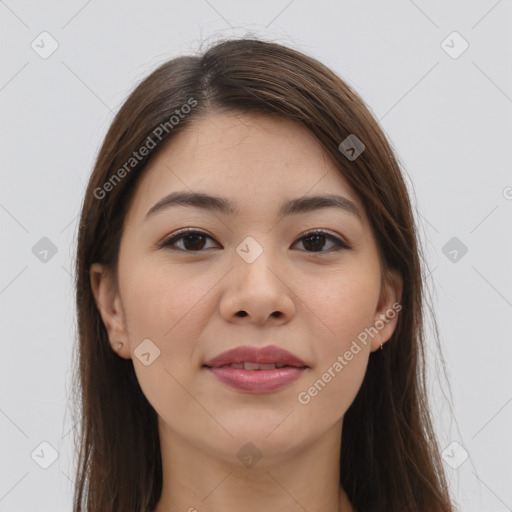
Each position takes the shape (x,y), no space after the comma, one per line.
(250,301)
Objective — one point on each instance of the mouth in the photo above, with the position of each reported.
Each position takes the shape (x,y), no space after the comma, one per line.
(253,369)
(253,358)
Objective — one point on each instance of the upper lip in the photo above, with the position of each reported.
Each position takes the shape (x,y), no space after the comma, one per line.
(260,355)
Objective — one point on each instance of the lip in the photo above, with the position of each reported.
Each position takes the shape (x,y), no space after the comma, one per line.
(260,355)
(257,381)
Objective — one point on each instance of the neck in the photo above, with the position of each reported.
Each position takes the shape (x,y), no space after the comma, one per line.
(305,478)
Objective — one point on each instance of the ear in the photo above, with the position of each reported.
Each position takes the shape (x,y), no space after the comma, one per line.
(386,314)
(109,305)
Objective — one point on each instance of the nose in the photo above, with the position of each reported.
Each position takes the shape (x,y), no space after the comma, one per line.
(257,293)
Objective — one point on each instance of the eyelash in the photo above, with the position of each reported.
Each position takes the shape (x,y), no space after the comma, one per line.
(189,231)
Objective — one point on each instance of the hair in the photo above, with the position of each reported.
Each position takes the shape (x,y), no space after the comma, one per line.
(390,459)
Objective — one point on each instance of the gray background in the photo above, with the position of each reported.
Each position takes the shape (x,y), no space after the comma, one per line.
(448,116)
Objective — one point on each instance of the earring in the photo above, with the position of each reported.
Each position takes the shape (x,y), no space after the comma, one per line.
(381,347)
(118,346)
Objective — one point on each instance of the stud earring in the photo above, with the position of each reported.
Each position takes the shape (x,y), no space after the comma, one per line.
(118,346)
(381,346)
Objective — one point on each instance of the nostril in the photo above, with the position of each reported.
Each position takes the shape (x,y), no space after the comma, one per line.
(276,314)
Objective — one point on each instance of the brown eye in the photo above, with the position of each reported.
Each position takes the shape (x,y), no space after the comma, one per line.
(193,241)
(316,240)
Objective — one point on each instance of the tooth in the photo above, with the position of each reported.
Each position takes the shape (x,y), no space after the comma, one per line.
(279,365)
(268,366)
(237,365)
(251,366)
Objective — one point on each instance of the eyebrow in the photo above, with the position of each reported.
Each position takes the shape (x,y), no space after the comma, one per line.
(223,205)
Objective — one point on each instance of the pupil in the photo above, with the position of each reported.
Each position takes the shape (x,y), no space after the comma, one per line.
(194,240)
(316,243)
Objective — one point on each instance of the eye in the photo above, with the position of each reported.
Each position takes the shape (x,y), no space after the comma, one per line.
(316,240)
(194,241)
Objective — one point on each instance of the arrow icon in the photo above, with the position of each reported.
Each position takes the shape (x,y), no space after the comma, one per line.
(454,249)
(352,147)
(44,455)
(249,249)
(44,45)
(147,352)
(44,250)
(454,45)
(249,455)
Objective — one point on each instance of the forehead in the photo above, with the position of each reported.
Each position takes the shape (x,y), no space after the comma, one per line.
(252,159)
(257,140)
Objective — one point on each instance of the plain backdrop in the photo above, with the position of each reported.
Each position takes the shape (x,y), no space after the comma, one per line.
(437,75)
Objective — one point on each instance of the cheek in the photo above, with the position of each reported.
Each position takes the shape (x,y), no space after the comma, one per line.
(159,303)
(346,307)
(163,306)
(341,357)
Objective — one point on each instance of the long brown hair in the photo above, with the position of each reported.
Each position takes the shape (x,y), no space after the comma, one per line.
(390,458)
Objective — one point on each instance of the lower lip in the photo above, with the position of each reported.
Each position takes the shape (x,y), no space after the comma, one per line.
(257,381)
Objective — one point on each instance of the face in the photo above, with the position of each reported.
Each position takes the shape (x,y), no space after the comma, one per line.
(179,297)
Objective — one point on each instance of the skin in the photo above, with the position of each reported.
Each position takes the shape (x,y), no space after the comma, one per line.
(186,303)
